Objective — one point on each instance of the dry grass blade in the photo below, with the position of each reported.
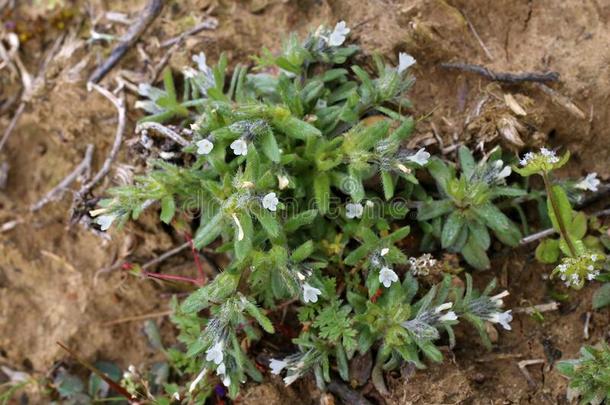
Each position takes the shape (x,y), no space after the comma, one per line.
(503,76)
(57,191)
(163,130)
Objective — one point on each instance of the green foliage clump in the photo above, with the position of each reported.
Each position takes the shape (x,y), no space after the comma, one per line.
(297,171)
(589,375)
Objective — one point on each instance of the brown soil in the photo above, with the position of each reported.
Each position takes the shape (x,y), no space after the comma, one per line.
(48,292)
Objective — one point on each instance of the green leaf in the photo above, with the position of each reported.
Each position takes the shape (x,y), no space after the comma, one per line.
(262,319)
(299,220)
(475,255)
(452,228)
(269,146)
(548,251)
(563,206)
(467,163)
(601,297)
(388,185)
(302,252)
(243,246)
(342,364)
(268,221)
(168,209)
(432,209)
(321,184)
(208,231)
(479,232)
(504,229)
(577,228)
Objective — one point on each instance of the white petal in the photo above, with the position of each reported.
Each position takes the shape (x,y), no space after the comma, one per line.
(221,369)
(197,379)
(310,294)
(270,201)
(277,366)
(387,276)
(405,61)
(354,210)
(384,251)
(105,221)
(449,316)
(442,307)
(290,379)
(240,230)
(240,147)
(421,157)
(204,147)
(282,182)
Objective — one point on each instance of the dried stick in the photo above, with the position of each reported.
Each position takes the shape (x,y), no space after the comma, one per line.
(166,255)
(503,76)
(163,130)
(11,125)
(56,192)
(476,35)
(562,101)
(139,317)
(210,23)
(550,306)
(119,103)
(148,15)
(523,368)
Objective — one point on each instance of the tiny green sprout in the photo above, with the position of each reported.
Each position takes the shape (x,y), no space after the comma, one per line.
(589,375)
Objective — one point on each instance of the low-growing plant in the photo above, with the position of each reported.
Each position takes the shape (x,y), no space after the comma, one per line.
(296,170)
(589,375)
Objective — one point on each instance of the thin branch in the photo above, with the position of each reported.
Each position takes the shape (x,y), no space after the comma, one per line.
(476,35)
(139,317)
(163,130)
(58,190)
(548,307)
(209,23)
(119,103)
(148,15)
(562,101)
(503,76)
(166,255)
(523,368)
(12,124)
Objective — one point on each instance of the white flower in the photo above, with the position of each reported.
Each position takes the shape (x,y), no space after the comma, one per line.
(282,181)
(214,353)
(240,230)
(421,157)
(405,61)
(289,379)
(204,147)
(591,182)
(240,147)
(270,202)
(201,62)
(197,379)
(403,168)
(310,294)
(504,173)
(221,369)
(549,155)
(526,158)
(337,37)
(387,276)
(189,72)
(448,316)
(442,307)
(176,396)
(503,318)
(384,251)
(226,380)
(354,210)
(277,366)
(497,299)
(104,221)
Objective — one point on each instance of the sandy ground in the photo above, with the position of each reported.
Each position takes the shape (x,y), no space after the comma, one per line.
(48,288)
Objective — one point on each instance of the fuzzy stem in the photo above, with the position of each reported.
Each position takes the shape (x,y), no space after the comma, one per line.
(555,205)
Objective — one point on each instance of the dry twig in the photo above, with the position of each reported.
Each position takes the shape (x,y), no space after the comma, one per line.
(148,15)
(139,317)
(562,101)
(209,23)
(523,368)
(119,103)
(476,35)
(58,190)
(163,130)
(550,231)
(550,306)
(504,76)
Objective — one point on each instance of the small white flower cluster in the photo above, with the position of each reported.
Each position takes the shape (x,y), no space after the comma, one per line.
(574,271)
(420,266)
(489,309)
(545,156)
(589,183)
(296,366)
(215,355)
